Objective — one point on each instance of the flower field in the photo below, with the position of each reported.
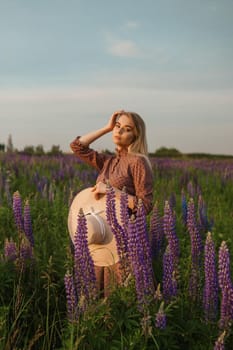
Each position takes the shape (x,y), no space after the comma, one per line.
(177,292)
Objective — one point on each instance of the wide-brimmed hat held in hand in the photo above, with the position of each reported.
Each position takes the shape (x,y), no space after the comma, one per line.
(101,241)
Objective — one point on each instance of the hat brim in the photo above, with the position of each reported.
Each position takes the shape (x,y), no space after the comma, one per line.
(104,254)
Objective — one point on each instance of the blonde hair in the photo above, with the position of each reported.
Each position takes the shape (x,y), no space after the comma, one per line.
(139,145)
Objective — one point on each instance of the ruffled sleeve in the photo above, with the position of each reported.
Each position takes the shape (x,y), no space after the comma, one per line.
(88,155)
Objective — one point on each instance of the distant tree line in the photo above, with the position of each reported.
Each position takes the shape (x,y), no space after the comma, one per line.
(29,150)
(160,152)
(166,152)
(174,153)
(39,150)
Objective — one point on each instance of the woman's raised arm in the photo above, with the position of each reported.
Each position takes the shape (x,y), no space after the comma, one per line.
(87,139)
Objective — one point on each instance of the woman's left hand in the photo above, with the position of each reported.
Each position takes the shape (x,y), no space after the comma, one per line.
(98,189)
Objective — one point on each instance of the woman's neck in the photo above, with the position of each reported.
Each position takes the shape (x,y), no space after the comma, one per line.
(122,149)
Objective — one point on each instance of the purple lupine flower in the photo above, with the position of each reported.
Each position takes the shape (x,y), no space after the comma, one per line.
(145,249)
(184,207)
(171,256)
(28,223)
(10,250)
(124,213)
(191,189)
(156,231)
(140,258)
(219,344)
(196,252)
(210,293)
(117,229)
(135,260)
(172,201)
(25,256)
(224,266)
(25,250)
(71,297)
(226,286)
(84,274)
(17,211)
(160,318)
(225,310)
(204,223)
(193,228)
(169,278)
(169,229)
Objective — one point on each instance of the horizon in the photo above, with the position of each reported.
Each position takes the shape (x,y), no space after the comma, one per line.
(46,151)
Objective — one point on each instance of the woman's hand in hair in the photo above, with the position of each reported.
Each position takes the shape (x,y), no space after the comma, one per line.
(113,119)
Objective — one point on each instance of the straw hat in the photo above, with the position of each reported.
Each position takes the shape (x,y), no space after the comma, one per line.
(101,241)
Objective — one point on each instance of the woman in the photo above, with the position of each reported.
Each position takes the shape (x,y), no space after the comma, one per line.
(129,168)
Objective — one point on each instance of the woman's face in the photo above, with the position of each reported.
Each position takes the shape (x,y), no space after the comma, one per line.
(123,131)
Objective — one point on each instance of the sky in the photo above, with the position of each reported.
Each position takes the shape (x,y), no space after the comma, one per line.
(67,65)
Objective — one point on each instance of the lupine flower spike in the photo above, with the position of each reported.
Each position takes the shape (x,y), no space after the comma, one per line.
(156,231)
(25,249)
(169,228)
(25,254)
(28,224)
(226,286)
(118,230)
(204,223)
(84,274)
(145,249)
(17,210)
(71,297)
(169,280)
(10,250)
(184,207)
(172,201)
(191,189)
(124,209)
(196,252)
(210,294)
(140,258)
(160,320)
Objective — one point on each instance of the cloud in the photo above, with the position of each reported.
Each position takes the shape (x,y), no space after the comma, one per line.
(132,24)
(124,48)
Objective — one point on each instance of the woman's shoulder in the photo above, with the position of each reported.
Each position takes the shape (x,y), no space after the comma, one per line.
(139,159)
(137,156)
